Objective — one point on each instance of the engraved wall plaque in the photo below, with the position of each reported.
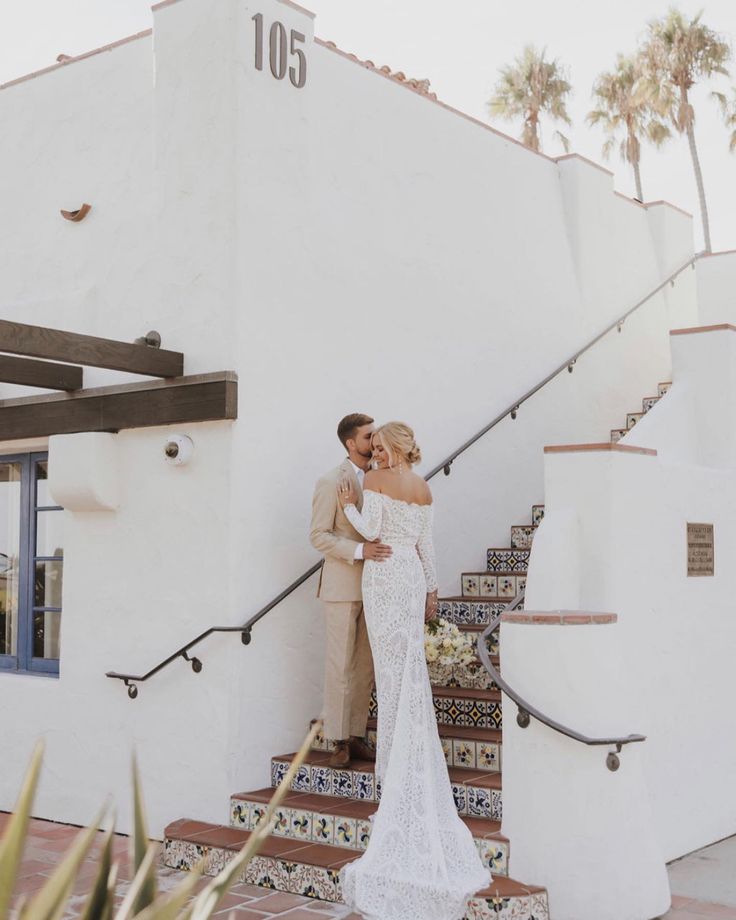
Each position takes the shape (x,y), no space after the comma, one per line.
(700,549)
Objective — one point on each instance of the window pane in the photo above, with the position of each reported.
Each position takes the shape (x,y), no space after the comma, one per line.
(46,624)
(48,585)
(42,487)
(50,533)
(10,475)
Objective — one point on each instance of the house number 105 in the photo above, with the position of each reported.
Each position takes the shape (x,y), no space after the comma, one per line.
(277,52)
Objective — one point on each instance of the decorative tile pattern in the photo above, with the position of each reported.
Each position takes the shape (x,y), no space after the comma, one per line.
(302,824)
(648,402)
(479,801)
(278,771)
(507,586)
(363,786)
(488,756)
(522,536)
(470,585)
(537,514)
(488,586)
(496,813)
(342,783)
(346,831)
(471,713)
(302,780)
(663,388)
(632,418)
(240,814)
(469,676)
(323,829)
(463,753)
(495,855)
(507,560)
(321,780)
(617,434)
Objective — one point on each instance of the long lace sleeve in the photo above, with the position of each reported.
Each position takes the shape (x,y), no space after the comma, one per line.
(368,521)
(425,549)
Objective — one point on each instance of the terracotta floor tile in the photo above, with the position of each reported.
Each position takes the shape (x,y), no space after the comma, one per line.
(280,902)
(231,901)
(301,914)
(251,891)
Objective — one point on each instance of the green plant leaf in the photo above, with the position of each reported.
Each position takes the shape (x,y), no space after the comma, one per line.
(170,907)
(140,844)
(50,902)
(208,899)
(140,880)
(99,903)
(11,847)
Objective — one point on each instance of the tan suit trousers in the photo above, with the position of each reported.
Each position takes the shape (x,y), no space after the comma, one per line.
(348,671)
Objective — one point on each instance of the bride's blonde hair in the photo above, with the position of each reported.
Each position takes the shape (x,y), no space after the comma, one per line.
(398,439)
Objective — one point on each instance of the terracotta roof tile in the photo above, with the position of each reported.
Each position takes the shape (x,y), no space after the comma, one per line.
(398,76)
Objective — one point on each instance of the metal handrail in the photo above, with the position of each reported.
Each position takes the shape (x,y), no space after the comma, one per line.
(527,712)
(130,680)
(565,366)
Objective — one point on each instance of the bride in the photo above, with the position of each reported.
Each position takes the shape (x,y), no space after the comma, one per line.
(421,862)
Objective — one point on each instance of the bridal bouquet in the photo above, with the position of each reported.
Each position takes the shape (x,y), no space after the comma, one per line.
(445,644)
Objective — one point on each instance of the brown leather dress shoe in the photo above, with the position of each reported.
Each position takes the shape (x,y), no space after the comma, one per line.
(340,756)
(361,750)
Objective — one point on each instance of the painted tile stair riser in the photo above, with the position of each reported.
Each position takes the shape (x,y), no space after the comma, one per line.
(496,586)
(467,611)
(349,831)
(477,792)
(522,536)
(460,750)
(504,900)
(507,561)
(454,706)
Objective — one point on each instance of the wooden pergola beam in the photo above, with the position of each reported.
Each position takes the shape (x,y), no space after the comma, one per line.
(198,398)
(41,342)
(31,373)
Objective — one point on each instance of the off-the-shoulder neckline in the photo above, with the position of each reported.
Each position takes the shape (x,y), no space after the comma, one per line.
(402,500)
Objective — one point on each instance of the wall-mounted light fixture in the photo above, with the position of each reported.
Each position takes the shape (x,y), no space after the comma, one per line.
(178,449)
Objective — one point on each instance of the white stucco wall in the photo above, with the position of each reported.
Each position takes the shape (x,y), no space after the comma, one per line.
(347,246)
(716,285)
(622,518)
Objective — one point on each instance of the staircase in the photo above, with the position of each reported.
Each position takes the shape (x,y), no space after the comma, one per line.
(323,823)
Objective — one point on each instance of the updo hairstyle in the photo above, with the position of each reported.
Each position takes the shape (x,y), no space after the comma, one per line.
(398,438)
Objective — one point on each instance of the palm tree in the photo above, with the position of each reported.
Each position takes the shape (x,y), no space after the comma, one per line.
(529,87)
(677,53)
(620,109)
(729,114)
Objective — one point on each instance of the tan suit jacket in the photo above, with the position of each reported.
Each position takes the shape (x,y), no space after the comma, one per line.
(334,536)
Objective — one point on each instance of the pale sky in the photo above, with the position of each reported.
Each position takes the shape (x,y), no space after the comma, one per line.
(459,46)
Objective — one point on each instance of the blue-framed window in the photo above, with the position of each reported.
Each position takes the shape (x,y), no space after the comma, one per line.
(31,566)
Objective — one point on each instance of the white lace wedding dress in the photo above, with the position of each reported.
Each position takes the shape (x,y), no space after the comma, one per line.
(421,862)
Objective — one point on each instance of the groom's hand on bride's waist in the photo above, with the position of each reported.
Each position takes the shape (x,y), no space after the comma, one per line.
(376,551)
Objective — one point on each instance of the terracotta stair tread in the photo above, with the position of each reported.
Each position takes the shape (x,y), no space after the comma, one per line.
(471,598)
(350,808)
(461,775)
(468,693)
(460,731)
(504,887)
(217,835)
(313,854)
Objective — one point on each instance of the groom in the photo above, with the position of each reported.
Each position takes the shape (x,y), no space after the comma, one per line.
(348,659)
